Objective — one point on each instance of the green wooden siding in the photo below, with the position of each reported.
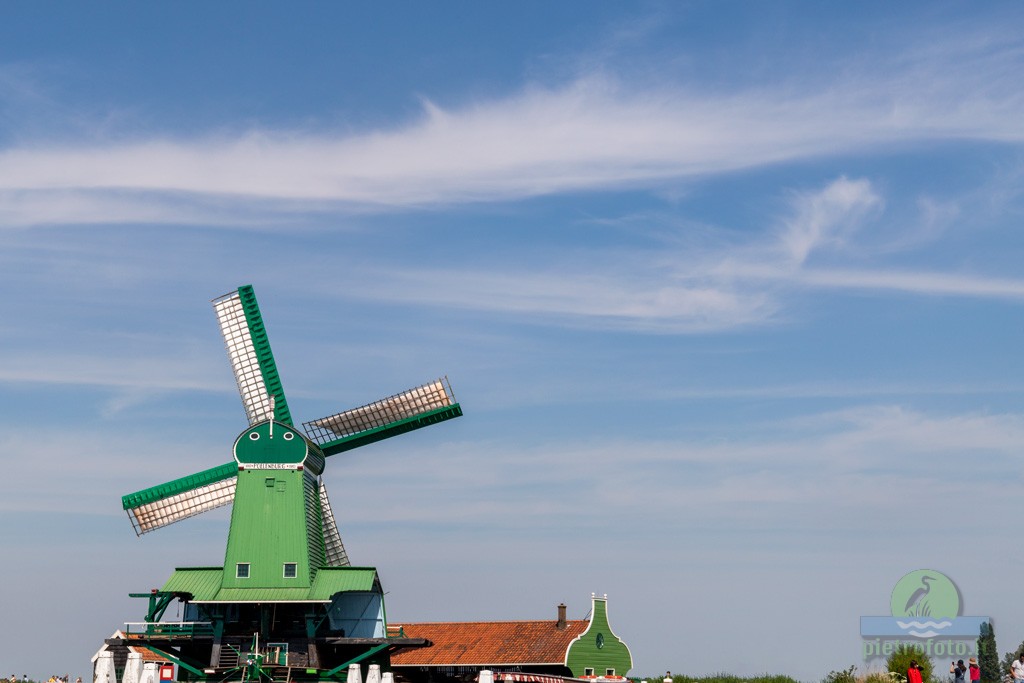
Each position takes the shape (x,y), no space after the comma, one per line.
(268,529)
(598,648)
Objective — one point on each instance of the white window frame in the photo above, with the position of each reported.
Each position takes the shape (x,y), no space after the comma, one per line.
(238,568)
(295,567)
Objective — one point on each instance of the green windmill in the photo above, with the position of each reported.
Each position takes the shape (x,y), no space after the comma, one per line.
(286,580)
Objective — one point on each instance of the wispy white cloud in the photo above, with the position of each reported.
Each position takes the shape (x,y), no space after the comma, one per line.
(862,456)
(823,218)
(594,133)
(687,288)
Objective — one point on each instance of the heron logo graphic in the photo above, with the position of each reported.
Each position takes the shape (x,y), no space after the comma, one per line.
(925,593)
(927,611)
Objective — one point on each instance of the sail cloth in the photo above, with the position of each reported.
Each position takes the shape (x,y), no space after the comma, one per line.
(381,413)
(333,547)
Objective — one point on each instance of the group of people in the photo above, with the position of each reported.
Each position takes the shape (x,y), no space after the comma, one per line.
(53,679)
(961,672)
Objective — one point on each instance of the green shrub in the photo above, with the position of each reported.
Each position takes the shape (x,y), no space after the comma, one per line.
(844,676)
(899,661)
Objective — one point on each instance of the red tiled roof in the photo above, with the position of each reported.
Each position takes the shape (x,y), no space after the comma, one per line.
(478,643)
(147,654)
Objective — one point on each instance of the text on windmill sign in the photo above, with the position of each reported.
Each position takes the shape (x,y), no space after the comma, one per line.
(926,613)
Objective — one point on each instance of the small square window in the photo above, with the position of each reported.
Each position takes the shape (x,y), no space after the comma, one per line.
(588,672)
(242,570)
(609,672)
(291,570)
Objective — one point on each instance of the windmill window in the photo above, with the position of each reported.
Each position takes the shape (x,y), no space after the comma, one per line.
(288,436)
(291,570)
(242,570)
(269,481)
(254,436)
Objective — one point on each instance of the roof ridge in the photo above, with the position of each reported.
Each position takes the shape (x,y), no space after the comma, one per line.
(489,621)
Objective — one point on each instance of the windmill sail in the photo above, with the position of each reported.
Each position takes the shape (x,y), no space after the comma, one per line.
(180,499)
(335,550)
(404,412)
(248,348)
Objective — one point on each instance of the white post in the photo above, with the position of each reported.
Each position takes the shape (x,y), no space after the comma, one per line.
(387,677)
(355,674)
(133,668)
(373,675)
(150,673)
(486,676)
(104,671)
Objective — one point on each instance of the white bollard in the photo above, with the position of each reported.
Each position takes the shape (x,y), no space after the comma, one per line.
(133,668)
(373,675)
(355,674)
(486,676)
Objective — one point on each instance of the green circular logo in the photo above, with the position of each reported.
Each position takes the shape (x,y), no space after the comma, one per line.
(926,593)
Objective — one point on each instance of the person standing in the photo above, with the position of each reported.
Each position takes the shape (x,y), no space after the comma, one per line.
(974,669)
(1017,668)
(959,671)
(914,672)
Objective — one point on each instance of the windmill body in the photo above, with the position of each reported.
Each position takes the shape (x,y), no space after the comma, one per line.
(286,580)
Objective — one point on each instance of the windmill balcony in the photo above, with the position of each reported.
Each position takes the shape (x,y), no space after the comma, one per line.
(170,629)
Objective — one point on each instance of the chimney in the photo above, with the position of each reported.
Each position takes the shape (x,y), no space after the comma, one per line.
(561,617)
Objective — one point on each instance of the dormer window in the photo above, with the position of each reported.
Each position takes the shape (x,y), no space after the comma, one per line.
(291,570)
(242,570)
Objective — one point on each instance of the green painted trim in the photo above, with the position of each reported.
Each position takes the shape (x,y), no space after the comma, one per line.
(261,344)
(176,660)
(173,488)
(393,429)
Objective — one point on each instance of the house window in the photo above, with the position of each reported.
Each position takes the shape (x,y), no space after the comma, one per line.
(242,570)
(609,672)
(291,570)
(588,672)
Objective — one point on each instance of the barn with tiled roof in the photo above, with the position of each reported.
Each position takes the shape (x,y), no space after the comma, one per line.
(561,647)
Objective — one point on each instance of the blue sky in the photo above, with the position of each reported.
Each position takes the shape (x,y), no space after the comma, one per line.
(730,293)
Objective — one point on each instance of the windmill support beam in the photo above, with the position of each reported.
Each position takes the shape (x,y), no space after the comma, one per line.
(218,637)
(312,653)
(176,659)
(158,603)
